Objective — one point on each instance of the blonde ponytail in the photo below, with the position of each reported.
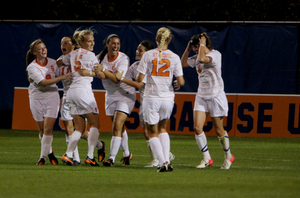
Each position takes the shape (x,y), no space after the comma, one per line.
(163,36)
(79,35)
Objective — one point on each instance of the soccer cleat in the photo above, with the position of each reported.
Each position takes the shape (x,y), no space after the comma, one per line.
(165,168)
(90,161)
(204,163)
(41,162)
(171,156)
(154,163)
(76,163)
(108,162)
(126,160)
(67,160)
(170,167)
(227,163)
(101,153)
(53,159)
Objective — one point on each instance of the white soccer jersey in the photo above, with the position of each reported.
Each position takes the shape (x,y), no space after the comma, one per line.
(63,70)
(80,59)
(132,73)
(209,75)
(38,73)
(159,73)
(120,63)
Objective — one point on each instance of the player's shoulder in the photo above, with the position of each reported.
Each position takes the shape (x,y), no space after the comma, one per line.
(51,61)
(213,51)
(82,52)
(134,65)
(151,52)
(173,54)
(123,56)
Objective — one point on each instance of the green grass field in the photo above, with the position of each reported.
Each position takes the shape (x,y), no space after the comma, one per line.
(264,167)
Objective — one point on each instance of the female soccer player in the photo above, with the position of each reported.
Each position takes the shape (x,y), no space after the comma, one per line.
(68,44)
(158,66)
(132,74)
(80,96)
(43,95)
(210,98)
(119,97)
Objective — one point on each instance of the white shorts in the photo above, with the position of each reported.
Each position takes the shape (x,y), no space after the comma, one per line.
(123,104)
(41,108)
(65,114)
(156,110)
(216,107)
(81,101)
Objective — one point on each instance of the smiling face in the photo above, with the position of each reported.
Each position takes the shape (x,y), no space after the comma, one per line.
(40,51)
(66,45)
(140,52)
(88,42)
(113,46)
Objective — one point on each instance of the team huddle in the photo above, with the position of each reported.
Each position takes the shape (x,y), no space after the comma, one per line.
(152,74)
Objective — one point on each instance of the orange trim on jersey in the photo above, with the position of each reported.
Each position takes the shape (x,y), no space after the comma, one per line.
(40,64)
(114,58)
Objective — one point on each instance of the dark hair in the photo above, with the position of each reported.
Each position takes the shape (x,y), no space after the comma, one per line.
(147,44)
(30,56)
(73,41)
(196,37)
(102,54)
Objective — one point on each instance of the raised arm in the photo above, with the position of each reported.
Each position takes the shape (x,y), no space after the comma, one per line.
(203,50)
(185,55)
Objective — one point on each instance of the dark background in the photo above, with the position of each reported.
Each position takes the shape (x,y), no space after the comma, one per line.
(258,39)
(187,10)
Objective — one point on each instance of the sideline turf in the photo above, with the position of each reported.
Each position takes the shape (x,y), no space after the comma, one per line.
(264,167)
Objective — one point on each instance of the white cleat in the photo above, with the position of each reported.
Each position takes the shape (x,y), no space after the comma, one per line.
(204,163)
(227,163)
(154,163)
(171,156)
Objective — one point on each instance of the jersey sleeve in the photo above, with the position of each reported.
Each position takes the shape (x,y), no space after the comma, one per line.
(130,72)
(66,59)
(123,65)
(215,56)
(192,61)
(142,68)
(35,74)
(93,62)
(178,68)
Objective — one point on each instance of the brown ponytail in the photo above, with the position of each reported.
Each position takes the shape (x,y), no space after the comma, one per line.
(30,56)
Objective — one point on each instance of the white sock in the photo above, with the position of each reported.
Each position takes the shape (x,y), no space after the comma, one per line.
(73,141)
(124,144)
(92,141)
(76,154)
(202,144)
(46,145)
(50,150)
(99,145)
(164,139)
(67,139)
(157,150)
(224,140)
(114,147)
(150,151)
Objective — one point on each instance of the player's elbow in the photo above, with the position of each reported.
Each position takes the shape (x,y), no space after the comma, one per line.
(43,83)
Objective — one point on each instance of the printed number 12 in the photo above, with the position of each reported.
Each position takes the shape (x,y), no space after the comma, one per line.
(161,71)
